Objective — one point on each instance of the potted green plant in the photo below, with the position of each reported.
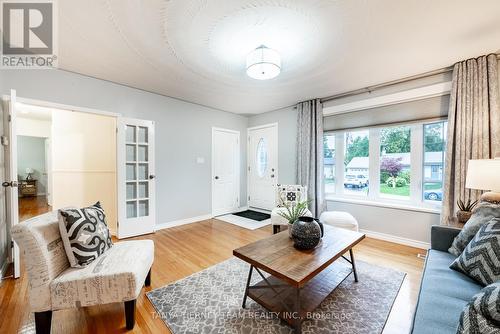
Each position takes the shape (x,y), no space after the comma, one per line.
(293,211)
(465,210)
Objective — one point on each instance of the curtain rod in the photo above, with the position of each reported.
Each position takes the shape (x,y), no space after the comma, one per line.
(370,89)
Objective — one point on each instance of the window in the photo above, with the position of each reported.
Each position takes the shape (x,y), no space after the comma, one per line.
(434,151)
(357,163)
(406,164)
(329,163)
(261,157)
(395,162)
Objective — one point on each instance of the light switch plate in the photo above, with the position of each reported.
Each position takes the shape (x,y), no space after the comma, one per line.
(200,160)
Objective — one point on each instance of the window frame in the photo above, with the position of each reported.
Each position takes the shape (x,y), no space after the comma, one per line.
(415,201)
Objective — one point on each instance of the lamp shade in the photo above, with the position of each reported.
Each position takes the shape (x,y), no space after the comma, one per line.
(29,170)
(483,175)
(263,63)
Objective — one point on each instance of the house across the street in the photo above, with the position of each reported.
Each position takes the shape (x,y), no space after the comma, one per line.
(433,165)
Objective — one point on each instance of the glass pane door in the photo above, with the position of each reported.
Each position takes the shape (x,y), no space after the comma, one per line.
(137,171)
(136,180)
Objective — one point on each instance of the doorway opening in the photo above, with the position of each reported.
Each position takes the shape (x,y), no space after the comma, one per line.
(33,161)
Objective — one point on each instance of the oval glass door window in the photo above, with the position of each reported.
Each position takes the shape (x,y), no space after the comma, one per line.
(261,157)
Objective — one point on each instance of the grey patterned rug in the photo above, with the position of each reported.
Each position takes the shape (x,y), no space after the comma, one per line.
(210,302)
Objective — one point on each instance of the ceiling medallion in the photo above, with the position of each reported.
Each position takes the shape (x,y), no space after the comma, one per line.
(263,63)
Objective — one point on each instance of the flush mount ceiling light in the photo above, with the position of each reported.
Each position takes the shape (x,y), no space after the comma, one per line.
(263,63)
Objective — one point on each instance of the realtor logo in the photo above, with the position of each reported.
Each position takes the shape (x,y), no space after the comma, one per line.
(28,34)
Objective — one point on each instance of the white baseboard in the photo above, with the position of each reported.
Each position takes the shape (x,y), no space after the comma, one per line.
(396,239)
(242,208)
(183,222)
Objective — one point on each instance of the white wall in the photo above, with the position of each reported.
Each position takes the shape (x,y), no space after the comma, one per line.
(33,127)
(84,161)
(183,132)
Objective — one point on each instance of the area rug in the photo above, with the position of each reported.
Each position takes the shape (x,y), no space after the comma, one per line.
(244,222)
(210,302)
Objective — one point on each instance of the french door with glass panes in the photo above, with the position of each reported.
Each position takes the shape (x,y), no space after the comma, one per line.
(136,177)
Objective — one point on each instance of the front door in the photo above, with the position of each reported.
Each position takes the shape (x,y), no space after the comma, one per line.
(225,171)
(136,177)
(263,166)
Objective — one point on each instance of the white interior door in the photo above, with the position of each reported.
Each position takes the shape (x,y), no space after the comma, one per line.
(136,177)
(263,166)
(11,182)
(225,171)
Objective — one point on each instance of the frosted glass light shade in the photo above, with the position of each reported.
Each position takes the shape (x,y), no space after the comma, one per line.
(483,175)
(263,63)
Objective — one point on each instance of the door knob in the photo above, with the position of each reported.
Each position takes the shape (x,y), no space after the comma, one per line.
(216,177)
(272,175)
(152,176)
(9,184)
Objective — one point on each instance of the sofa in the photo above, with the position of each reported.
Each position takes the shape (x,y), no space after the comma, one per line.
(118,275)
(444,292)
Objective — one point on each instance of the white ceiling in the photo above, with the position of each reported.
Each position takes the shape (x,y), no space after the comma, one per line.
(195,49)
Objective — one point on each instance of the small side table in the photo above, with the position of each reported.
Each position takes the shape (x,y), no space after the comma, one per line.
(28,187)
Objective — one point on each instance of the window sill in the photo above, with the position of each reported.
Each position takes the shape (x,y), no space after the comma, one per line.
(399,206)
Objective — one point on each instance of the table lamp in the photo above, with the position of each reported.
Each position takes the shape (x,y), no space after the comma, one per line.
(484,174)
(29,171)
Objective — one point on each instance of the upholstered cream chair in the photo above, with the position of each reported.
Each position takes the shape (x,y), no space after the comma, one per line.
(291,195)
(116,276)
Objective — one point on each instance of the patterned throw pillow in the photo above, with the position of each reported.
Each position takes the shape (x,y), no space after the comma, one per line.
(482,314)
(481,258)
(84,233)
(482,215)
(290,195)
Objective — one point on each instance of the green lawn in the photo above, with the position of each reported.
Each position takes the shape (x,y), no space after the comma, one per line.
(399,191)
(430,186)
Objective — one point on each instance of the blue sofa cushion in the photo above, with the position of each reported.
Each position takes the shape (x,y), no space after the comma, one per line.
(443,295)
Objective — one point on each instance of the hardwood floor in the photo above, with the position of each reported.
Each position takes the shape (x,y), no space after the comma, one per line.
(184,250)
(32,206)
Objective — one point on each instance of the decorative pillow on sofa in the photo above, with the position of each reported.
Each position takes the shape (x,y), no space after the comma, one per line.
(482,314)
(84,233)
(290,195)
(481,258)
(482,215)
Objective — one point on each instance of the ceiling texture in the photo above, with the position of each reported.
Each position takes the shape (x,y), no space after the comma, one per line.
(195,50)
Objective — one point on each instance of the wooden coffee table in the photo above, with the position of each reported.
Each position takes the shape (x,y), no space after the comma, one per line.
(300,280)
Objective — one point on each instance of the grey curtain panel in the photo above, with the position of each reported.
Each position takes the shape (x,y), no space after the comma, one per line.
(310,153)
(473,126)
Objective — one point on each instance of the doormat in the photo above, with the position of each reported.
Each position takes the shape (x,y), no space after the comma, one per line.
(253,215)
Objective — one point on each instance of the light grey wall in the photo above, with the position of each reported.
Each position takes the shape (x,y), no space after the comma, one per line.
(31,153)
(183,132)
(287,136)
(401,223)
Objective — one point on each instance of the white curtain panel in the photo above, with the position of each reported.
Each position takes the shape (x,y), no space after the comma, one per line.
(473,126)
(310,153)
